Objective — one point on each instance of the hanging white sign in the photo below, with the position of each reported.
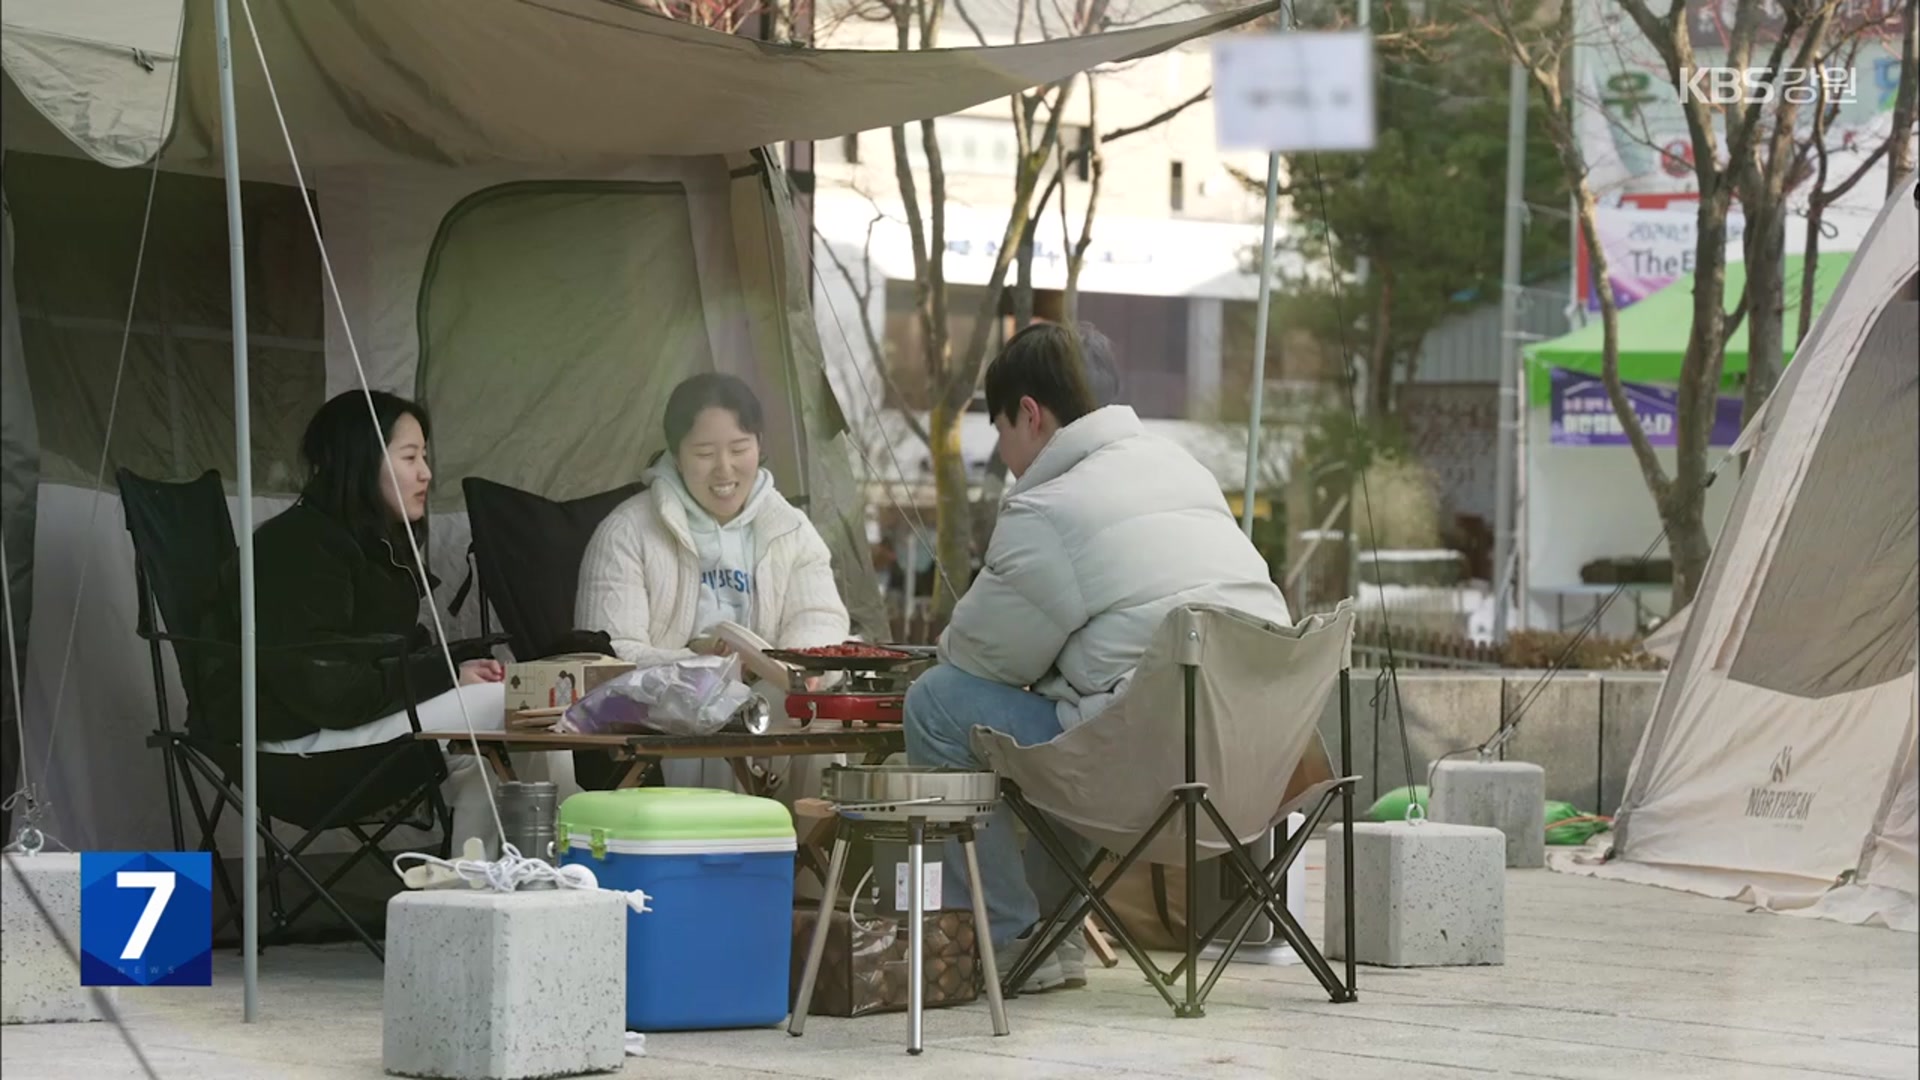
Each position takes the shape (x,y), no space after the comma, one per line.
(1294,92)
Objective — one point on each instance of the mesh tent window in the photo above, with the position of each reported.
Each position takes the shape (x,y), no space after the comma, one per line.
(78,232)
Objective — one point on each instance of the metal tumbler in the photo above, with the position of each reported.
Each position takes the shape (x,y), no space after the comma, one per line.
(528,816)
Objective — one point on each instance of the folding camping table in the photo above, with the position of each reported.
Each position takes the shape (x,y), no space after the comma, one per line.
(634,753)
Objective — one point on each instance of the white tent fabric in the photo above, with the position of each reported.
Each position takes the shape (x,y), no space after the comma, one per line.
(565,84)
(1780,763)
(542,214)
(99,71)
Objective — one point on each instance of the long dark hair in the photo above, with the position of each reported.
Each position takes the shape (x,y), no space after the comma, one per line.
(346,464)
(710,390)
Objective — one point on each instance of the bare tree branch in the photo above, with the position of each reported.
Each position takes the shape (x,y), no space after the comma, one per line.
(979,35)
(1906,103)
(864,294)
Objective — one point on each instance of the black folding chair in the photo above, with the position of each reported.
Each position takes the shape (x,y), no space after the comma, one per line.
(1236,727)
(525,561)
(182,540)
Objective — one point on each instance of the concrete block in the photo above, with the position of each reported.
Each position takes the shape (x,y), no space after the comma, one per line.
(40,982)
(1626,707)
(1506,795)
(1425,894)
(1559,731)
(505,986)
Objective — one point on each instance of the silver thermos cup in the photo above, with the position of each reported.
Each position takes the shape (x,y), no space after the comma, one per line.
(528,817)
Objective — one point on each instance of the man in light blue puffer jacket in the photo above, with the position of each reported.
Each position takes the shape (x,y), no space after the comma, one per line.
(1106,530)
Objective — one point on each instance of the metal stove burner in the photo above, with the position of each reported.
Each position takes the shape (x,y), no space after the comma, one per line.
(900,793)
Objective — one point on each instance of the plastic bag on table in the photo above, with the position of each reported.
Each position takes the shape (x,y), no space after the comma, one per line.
(696,696)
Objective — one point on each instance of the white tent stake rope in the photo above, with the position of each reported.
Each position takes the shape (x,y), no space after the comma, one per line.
(28,794)
(1510,722)
(28,836)
(366,390)
(1390,675)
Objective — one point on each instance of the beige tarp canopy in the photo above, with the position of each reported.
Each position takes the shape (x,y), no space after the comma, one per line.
(1780,763)
(564,84)
(542,215)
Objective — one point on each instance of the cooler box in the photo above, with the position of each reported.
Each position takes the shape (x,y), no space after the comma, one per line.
(715,950)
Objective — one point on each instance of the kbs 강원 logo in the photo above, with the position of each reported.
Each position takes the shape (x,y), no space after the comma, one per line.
(146,918)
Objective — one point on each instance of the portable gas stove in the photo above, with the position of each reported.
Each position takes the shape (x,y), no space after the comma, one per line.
(873,690)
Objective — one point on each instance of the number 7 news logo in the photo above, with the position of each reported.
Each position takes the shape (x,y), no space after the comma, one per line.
(146,918)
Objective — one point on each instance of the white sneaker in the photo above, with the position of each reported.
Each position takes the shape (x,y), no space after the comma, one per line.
(1072,955)
(1065,969)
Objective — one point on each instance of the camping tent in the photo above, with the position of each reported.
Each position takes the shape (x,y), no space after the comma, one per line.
(542,215)
(1779,766)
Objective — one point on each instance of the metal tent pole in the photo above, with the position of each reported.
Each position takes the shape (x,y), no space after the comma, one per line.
(243,479)
(1260,344)
(1260,323)
(1508,449)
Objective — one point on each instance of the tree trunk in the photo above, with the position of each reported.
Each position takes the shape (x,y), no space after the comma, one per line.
(1023,280)
(1765,242)
(1684,515)
(955,542)
(1906,103)
(1380,356)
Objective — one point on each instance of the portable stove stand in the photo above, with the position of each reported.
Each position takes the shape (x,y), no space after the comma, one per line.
(917,805)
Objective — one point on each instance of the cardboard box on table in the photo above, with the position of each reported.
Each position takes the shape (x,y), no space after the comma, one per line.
(556,682)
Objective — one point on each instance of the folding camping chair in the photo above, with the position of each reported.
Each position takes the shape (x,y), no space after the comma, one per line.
(1247,753)
(182,540)
(525,560)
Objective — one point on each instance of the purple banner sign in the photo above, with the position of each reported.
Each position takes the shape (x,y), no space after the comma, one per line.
(1583,415)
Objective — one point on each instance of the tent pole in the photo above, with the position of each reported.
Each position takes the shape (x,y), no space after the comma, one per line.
(1260,345)
(243,478)
(1508,448)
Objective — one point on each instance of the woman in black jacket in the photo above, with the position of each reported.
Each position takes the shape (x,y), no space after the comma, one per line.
(337,566)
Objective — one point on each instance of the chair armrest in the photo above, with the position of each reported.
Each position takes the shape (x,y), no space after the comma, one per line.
(380,644)
(478,648)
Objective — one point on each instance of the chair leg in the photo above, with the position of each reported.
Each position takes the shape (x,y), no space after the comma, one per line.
(983,934)
(278,849)
(1091,896)
(1247,906)
(322,894)
(1260,883)
(368,846)
(278,906)
(173,777)
(1097,941)
(209,826)
(1189,798)
(1071,910)
(817,944)
(916,931)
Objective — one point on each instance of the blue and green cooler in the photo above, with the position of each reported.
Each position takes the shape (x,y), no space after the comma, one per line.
(714,951)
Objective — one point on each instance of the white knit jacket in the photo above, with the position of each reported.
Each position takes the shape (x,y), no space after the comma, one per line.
(640,580)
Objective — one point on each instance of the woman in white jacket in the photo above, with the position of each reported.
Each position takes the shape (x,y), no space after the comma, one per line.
(709,541)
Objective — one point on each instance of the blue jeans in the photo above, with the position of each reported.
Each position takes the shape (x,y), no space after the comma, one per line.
(943,707)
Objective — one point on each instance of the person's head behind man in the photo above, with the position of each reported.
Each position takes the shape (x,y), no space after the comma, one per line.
(1035,387)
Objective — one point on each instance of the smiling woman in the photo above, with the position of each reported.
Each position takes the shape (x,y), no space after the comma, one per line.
(711,541)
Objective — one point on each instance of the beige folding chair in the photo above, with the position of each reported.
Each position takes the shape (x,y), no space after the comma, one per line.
(1246,753)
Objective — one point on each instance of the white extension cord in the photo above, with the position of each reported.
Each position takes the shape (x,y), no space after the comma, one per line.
(508,873)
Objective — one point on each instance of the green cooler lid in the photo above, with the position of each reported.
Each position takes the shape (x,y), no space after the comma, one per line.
(658,813)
